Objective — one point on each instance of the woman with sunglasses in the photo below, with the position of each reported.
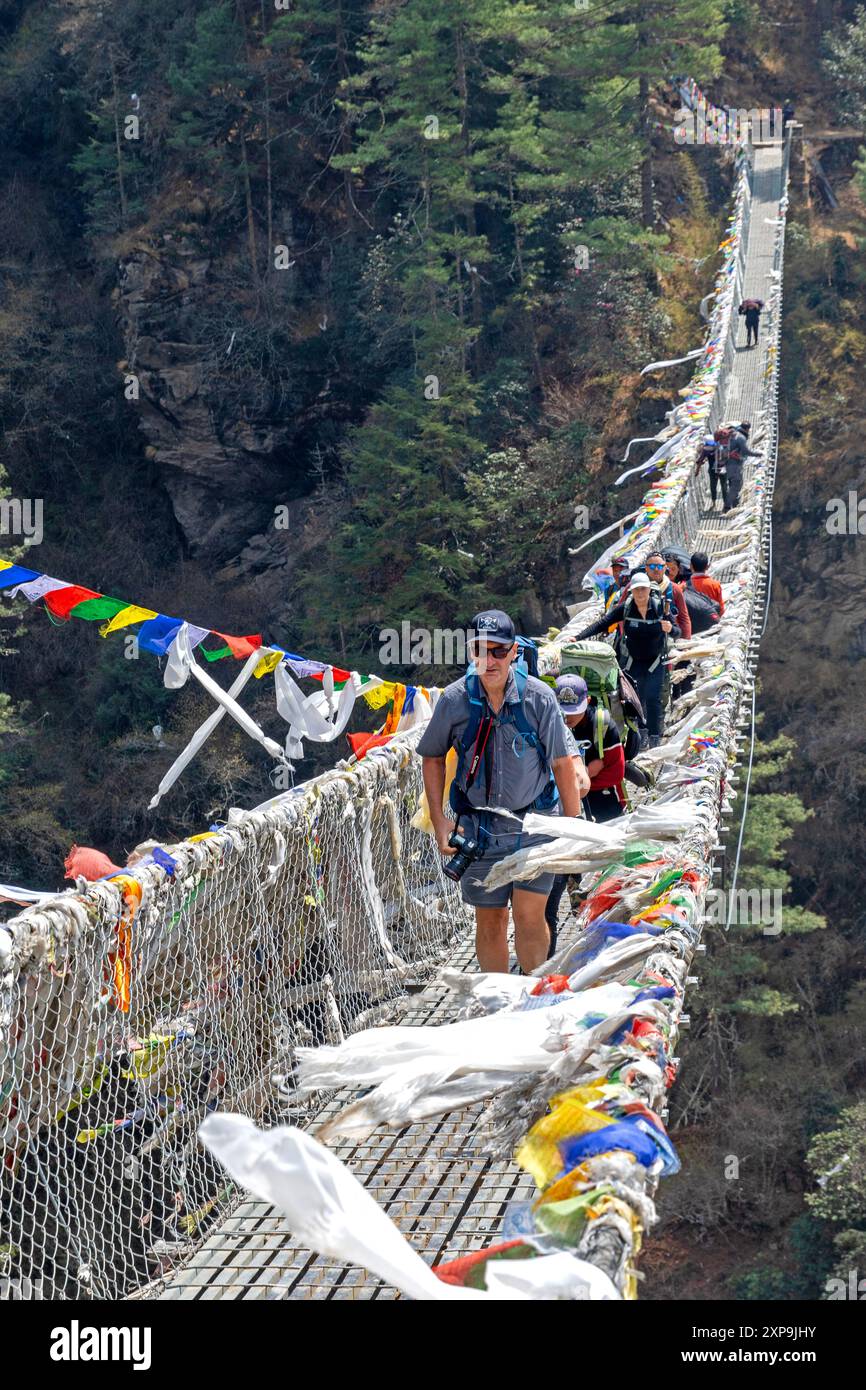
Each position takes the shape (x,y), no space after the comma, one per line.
(657,568)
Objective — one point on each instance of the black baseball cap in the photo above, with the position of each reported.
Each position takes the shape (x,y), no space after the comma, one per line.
(492,625)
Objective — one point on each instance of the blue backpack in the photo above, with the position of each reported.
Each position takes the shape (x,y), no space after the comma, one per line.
(528,658)
(516,715)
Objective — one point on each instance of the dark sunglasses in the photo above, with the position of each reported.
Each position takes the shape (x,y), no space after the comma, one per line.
(499,652)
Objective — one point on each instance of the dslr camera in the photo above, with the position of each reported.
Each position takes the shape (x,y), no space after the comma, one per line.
(467,851)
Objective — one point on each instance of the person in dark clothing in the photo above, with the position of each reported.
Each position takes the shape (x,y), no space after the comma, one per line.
(679,571)
(620,570)
(711,456)
(787,112)
(675,609)
(604,759)
(735,451)
(645,632)
(750,309)
(606,768)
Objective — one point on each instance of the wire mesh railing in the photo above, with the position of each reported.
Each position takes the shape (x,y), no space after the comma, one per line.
(129,1011)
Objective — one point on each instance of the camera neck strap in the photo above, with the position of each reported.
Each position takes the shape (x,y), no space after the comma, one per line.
(478,753)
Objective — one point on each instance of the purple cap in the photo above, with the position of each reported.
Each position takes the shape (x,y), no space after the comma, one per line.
(572,693)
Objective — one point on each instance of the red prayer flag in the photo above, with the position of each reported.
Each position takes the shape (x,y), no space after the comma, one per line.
(91,864)
(362,743)
(241,646)
(339,675)
(61,601)
(457,1271)
(551,984)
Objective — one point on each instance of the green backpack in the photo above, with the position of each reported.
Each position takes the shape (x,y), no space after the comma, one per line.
(599,667)
(597,663)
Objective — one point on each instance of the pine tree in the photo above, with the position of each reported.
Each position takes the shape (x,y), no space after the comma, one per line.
(487,136)
(314,49)
(111,167)
(412,109)
(846,64)
(637,46)
(408,515)
(215,88)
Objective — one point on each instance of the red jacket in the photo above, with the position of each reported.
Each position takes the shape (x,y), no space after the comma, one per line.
(683,620)
(612,772)
(705,584)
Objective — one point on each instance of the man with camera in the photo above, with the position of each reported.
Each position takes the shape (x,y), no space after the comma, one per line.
(514,756)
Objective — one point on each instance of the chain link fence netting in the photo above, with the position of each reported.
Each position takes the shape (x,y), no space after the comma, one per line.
(128,1012)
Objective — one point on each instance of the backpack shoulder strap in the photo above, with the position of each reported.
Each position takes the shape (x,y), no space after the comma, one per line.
(601,723)
(550,795)
(472,685)
(476,707)
(517,712)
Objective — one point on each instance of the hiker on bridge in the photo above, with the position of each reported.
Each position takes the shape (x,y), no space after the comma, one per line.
(514,756)
(750,310)
(703,581)
(604,756)
(645,632)
(621,570)
(597,745)
(677,566)
(734,451)
(711,455)
(675,608)
(679,571)
(616,593)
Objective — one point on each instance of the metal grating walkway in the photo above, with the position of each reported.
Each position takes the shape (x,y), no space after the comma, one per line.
(426,1177)
(445,1200)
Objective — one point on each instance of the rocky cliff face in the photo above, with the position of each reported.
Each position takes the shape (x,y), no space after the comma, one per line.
(218,468)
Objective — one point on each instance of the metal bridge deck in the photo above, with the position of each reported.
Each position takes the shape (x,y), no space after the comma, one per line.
(446,1200)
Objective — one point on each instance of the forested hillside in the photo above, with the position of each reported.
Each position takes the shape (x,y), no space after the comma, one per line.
(318,317)
(341,337)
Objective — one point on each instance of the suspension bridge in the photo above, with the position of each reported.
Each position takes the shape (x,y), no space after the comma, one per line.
(130,1011)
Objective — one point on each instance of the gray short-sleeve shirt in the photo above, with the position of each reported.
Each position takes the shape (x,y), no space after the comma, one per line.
(518,773)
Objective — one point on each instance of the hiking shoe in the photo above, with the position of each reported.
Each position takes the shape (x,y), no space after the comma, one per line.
(637,775)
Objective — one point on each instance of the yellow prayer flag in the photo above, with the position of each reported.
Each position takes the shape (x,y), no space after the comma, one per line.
(569,1115)
(148,1058)
(131,614)
(268,663)
(390,725)
(379,695)
(421,819)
